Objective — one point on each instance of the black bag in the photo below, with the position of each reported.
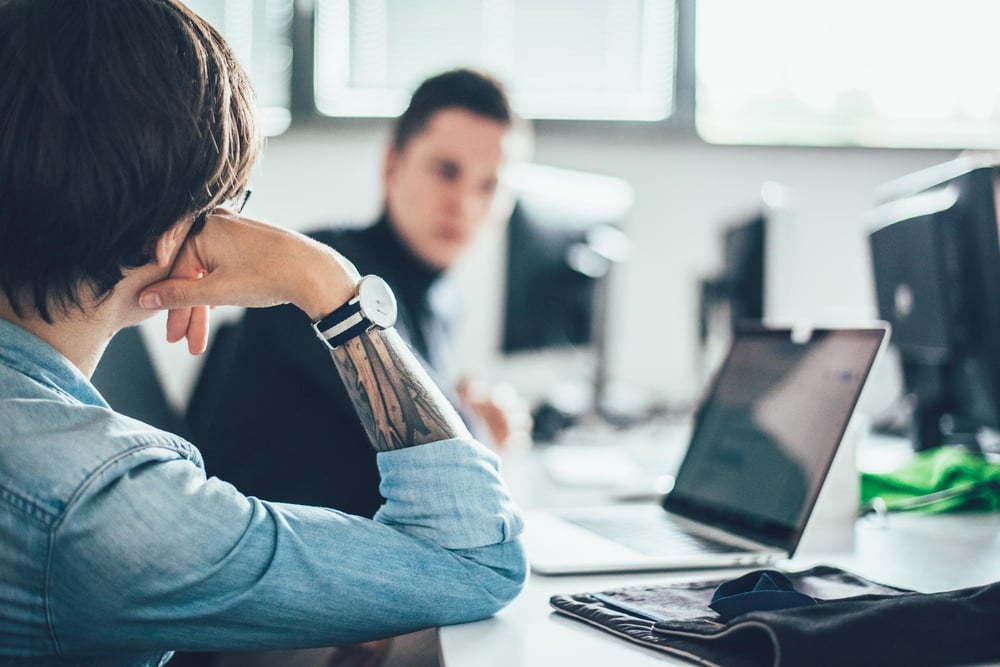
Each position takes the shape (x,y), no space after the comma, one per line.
(855,621)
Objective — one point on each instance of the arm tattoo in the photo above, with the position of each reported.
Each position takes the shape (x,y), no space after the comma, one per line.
(399,405)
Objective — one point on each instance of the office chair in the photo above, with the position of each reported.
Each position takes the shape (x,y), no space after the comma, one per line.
(126,377)
(211,380)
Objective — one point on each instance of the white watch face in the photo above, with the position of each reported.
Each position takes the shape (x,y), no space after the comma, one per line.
(377,301)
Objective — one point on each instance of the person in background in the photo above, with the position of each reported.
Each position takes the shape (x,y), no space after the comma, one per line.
(440,179)
(128,132)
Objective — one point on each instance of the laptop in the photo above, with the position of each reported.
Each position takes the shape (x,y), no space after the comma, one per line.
(762,442)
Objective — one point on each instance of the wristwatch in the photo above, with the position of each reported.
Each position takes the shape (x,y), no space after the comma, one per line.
(372,307)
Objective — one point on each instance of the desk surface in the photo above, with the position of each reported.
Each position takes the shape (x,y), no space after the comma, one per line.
(925,553)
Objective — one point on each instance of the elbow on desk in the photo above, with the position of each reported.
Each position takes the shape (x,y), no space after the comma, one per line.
(499,572)
(513,576)
(504,567)
(503,581)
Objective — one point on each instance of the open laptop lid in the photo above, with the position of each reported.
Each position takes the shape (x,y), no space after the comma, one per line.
(768,429)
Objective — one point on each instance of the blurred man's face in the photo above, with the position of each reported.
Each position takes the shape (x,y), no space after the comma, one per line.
(440,187)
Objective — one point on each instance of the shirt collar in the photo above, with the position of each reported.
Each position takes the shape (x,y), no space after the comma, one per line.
(29,355)
(420,277)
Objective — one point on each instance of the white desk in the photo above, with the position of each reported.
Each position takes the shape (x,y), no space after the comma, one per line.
(925,553)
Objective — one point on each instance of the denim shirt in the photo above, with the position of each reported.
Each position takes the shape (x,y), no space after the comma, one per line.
(115,549)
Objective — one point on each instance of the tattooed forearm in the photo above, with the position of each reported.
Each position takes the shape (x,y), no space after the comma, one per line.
(399,405)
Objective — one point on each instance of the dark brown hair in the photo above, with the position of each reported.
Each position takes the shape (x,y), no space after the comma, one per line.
(465,89)
(118,119)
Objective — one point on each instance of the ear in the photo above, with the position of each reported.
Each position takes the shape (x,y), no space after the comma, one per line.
(502,207)
(168,245)
(388,167)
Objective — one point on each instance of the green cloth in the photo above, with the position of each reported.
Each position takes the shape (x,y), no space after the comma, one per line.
(959,480)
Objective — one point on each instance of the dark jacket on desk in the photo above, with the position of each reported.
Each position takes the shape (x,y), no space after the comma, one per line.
(277,422)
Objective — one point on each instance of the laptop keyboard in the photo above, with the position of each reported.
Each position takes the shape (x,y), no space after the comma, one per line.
(655,538)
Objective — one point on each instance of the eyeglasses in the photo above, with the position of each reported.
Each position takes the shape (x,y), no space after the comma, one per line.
(238,202)
(235,204)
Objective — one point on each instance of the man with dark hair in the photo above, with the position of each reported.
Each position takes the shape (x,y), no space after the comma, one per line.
(439,180)
(127,131)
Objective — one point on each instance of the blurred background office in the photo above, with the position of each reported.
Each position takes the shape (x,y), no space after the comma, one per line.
(694,118)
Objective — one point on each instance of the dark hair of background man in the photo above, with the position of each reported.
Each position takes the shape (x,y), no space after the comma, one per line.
(456,89)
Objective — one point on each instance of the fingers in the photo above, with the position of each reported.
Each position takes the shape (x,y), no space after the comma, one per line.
(197,331)
(242,262)
(183,297)
(504,413)
(499,426)
(177,324)
(176,293)
(190,323)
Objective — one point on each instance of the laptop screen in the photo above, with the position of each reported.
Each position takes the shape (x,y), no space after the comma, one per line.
(766,435)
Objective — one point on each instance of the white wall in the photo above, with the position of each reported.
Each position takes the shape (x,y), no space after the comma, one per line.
(685,191)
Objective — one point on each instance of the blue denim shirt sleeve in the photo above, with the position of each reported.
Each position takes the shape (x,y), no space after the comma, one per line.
(116,549)
(154,554)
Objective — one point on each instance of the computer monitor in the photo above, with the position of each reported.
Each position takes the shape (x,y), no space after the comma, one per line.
(936,257)
(738,291)
(563,238)
(548,301)
(758,273)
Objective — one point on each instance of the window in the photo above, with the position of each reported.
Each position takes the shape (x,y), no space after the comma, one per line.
(259,32)
(891,73)
(880,73)
(596,59)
